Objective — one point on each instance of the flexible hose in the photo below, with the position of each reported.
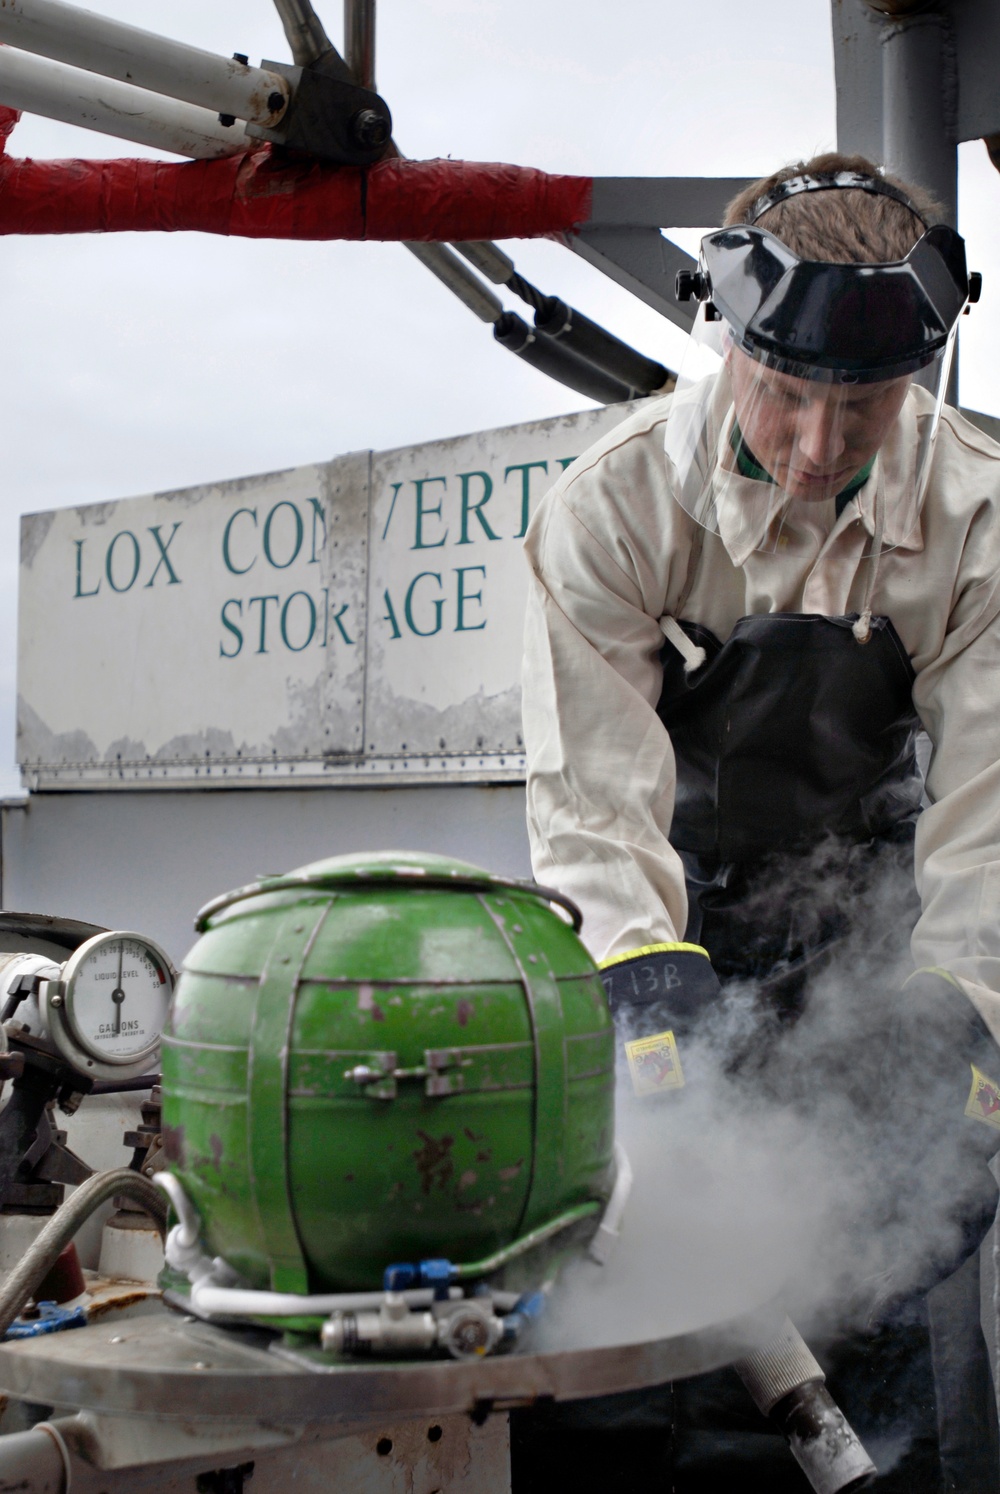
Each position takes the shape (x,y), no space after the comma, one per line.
(598,346)
(239,1302)
(550,357)
(43,1252)
(471,1269)
(212,1295)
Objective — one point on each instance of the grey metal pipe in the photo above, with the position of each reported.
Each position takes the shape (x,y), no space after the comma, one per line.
(304,30)
(918,140)
(443,262)
(129,54)
(40,86)
(33,1462)
(449,269)
(487,259)
(359,40)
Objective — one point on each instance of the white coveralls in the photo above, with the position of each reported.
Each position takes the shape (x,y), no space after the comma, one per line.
(611,553)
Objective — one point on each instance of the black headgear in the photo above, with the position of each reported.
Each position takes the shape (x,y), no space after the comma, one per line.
(858,322)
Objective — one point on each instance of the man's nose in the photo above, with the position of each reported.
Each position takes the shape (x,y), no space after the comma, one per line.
(820,433)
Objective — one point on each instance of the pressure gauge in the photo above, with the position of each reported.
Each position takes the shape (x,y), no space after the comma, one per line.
(106,1011)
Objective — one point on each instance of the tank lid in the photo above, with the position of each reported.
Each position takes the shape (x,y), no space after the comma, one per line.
(384,868)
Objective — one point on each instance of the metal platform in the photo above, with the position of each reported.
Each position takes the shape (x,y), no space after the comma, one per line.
(170,1366)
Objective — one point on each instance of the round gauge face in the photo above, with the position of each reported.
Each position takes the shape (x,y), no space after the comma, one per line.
(117,988)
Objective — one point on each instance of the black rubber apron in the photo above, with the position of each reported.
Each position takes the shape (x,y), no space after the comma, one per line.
(792,740)
(797,780)
(792,736)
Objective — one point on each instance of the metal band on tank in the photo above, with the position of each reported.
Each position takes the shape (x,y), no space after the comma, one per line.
(400,878)
(267,1084)
(541,992)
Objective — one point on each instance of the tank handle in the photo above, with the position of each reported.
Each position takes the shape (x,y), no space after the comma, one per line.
(400,875)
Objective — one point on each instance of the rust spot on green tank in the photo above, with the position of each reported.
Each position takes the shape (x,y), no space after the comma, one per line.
(215,1142)
(485,1155)
(434,1162)
(463,1012)
(173,1143)
(507,1174)
(468,1179)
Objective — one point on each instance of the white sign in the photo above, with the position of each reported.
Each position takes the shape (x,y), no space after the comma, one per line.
(358,619)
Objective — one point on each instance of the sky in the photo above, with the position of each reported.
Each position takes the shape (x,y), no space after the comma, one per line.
(139,362)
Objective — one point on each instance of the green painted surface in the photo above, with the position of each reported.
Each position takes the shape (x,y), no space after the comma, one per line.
(481,986)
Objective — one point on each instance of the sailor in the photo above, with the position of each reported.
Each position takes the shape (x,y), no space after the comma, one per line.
(747,601)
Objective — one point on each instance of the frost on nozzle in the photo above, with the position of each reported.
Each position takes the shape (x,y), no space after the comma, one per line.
(807,1156)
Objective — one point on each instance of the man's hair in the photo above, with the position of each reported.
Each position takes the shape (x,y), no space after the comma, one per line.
(841,226)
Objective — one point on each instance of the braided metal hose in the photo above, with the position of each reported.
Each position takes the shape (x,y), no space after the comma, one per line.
(43,1253)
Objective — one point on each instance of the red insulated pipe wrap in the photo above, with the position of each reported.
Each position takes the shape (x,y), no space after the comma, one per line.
(267,193)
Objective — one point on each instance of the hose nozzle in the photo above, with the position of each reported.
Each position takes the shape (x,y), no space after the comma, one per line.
(788,1386)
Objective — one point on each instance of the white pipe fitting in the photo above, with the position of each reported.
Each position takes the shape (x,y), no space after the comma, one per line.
(38,86)
(221,85)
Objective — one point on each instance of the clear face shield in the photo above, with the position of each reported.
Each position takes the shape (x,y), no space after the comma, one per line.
(756,453)
(808,390)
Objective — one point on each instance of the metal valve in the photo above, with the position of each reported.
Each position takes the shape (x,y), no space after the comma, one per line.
(466,1329)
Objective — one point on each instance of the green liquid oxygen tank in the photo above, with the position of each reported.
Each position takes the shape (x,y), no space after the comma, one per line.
(385,1058)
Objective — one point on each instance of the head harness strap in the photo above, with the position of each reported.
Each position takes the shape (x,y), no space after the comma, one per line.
(830,182)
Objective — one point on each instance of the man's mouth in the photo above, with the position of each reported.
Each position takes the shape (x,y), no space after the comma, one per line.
(821,479)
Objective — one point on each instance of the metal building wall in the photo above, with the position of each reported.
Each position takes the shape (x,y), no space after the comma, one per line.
(148,861)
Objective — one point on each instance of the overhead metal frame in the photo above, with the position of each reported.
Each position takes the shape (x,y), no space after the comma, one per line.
(913,79)
(623,238)
(304,31)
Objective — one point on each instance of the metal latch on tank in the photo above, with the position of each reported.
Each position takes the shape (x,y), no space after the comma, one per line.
(380,1077)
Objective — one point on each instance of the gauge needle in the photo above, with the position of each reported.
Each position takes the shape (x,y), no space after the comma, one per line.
(118,995)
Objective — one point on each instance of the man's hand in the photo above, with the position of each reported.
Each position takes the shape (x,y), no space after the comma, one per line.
(939,1115)
(675,980)
(658,994)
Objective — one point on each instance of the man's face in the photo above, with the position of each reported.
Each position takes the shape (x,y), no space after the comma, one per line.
(812,437)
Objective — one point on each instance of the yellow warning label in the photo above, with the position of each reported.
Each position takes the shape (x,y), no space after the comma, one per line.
(655,1064)
(983,1103)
